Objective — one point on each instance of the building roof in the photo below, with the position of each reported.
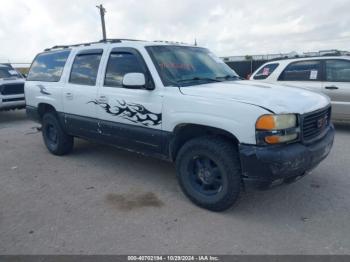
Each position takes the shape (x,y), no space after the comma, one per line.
(286,55)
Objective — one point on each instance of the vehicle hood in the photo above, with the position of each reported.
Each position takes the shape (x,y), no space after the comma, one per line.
(275,98)
(11,81)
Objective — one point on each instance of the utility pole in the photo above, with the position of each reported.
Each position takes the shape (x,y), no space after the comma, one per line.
(102,14)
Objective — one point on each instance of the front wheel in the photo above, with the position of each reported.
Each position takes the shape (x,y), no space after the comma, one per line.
(56,140)
(208,170)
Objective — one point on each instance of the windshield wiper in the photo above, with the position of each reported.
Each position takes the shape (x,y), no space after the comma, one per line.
(197,78)
(227,77)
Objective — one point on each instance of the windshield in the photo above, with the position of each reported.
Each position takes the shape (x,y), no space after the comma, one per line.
(7,72)
(185,66)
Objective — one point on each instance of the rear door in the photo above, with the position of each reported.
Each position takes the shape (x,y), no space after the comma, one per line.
(80,91)
(304,74)
(129,117)
(337,87)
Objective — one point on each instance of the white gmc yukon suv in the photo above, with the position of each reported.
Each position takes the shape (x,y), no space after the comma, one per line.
(179,103)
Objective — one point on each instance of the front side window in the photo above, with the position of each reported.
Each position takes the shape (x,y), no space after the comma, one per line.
(48,67)
(302,71)
(338,71)
(265,71)
(185,66)
(85,68)
(119,64)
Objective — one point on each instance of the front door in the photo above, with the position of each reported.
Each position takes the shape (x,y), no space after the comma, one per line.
(131,118)
(337,87)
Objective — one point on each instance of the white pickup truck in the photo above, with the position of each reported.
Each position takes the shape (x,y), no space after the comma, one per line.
(11,88)
(180,103)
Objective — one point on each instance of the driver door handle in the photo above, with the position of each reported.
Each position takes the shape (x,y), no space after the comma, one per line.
(103,99)
(69,95)
(332,87)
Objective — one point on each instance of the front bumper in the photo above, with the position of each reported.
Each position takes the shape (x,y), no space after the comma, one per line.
(270,163)
(12,102)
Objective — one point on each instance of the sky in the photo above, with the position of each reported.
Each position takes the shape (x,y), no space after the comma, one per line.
(227,27)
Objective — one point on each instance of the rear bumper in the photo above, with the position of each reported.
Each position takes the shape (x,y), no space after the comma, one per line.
(267,164)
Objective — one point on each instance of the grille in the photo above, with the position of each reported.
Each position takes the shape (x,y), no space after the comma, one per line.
(12,89)
(314,124)
(13,99)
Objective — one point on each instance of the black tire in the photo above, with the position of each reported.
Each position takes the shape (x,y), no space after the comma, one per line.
(291,180)
(209,173)
(266,185)
(55,139)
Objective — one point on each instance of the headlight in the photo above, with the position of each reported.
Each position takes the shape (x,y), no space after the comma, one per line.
(274,129)
(276,122)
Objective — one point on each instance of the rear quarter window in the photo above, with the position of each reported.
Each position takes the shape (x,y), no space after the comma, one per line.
(48,67)
(265,71)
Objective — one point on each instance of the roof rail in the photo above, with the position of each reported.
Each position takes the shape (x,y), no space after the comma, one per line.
(109,40)
(117,40)
(68,46)
(171,42)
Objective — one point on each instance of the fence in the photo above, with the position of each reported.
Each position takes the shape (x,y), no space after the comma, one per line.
(245,68)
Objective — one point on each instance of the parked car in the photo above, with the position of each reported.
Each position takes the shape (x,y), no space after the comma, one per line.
(183,104)
(11,88)
(329,75)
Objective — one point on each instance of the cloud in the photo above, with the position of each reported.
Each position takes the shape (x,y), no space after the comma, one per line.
(228,27)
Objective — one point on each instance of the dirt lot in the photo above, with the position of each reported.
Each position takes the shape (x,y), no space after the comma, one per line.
(100,200)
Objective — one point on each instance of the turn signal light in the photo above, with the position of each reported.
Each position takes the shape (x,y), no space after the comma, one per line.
(280,139)
(266,122)
(276,122)
(272,139)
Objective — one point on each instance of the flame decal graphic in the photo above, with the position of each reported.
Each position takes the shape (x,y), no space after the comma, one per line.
(135,113)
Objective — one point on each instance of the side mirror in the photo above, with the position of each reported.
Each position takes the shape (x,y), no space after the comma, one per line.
(134,80)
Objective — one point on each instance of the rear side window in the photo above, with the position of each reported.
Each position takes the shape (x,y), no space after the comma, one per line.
(119,64)
(302,71)
(265,71)
(85,68)
(338,71)
(48,67)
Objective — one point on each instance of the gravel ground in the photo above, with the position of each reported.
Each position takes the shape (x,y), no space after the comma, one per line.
(100,200)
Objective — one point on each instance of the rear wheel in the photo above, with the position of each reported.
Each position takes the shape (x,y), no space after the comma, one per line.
(56,140)
(208,170)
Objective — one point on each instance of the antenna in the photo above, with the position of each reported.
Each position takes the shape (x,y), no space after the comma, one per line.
(102,14)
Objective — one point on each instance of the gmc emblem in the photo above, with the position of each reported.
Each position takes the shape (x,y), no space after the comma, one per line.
(322,122)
